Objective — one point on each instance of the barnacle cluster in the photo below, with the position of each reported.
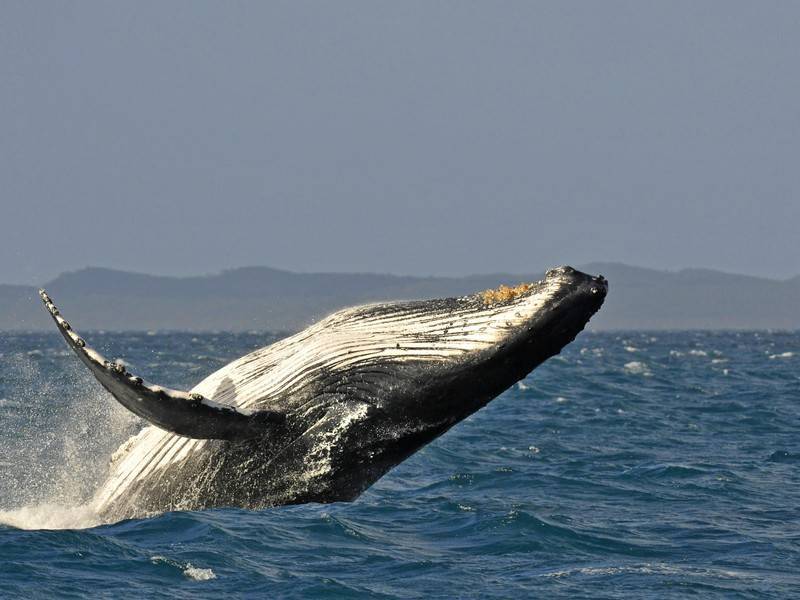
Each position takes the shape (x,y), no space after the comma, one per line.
(504,293)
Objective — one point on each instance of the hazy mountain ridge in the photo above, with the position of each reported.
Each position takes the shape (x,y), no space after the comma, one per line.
(263,298)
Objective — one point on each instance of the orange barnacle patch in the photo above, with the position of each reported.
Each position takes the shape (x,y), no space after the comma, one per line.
(505,293)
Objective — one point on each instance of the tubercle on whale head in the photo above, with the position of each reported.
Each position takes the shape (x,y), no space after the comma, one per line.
(507,293)
(504,293)
(563,302)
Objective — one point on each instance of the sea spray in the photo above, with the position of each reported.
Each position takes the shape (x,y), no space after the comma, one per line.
(65,429)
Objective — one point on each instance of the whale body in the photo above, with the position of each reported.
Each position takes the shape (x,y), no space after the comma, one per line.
(323,414)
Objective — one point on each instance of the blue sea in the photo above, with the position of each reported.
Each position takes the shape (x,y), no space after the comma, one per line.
(633,465)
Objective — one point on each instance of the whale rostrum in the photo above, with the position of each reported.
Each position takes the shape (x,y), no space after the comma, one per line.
(321,415)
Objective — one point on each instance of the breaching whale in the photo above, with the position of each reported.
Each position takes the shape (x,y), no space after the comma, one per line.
(323,414)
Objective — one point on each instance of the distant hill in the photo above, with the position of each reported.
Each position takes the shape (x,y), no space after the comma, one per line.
(261,298)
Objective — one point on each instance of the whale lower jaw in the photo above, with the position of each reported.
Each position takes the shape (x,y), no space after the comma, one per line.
(323,414)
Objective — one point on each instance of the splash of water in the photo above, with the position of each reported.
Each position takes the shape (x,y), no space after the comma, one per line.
(51,516)
(57,456)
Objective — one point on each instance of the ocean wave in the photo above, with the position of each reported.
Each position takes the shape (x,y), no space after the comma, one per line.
(675,484)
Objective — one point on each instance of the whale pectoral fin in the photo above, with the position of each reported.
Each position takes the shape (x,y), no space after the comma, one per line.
(186,414)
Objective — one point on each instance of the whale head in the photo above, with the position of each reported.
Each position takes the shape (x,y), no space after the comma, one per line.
(412,370)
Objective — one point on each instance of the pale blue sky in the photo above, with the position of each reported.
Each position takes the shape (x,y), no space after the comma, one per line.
(403,137)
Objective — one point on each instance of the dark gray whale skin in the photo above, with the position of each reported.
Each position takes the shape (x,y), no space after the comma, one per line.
(346,421)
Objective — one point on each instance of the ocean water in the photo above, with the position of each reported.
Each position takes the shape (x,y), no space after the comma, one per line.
(645,465)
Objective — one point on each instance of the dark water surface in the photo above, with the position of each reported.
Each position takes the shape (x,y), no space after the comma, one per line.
(633,465)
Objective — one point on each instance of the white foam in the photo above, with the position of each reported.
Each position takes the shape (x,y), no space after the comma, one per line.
(50,516)
(637,368)
(198,574)
(650,569)
(595,351)
(698,352)
(188,569)
(781,355)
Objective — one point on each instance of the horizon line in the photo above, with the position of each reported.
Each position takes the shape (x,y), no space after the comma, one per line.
(599,263)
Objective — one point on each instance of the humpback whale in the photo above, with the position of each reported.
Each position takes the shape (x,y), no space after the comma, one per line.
(323,414)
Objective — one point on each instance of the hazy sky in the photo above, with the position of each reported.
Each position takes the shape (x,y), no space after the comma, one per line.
(404,137)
